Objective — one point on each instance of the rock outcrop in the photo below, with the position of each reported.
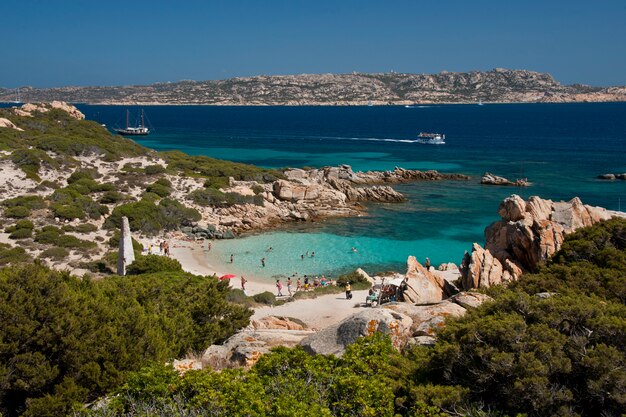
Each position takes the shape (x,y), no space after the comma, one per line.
(246,347)
(7,123)
(29,108)
(424,287)
(612,176)
(491,179)
(405,323)
(305,195)
(334,339)
(529,233)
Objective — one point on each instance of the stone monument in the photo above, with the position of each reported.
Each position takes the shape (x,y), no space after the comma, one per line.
(126,255)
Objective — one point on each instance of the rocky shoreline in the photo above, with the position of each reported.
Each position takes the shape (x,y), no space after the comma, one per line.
(308,195)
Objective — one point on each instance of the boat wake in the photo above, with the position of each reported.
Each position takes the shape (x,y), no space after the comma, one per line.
(369,139)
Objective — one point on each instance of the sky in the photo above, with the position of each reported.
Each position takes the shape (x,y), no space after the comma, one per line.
(54,43)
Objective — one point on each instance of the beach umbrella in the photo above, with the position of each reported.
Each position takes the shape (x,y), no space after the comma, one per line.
(227,276)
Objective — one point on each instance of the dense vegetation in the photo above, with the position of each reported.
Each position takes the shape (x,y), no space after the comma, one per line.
(64,341)
(560,354)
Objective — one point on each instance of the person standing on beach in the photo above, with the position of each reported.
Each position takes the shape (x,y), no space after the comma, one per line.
(243,283)
(232,258)
(289,286)
(348,291)
(306,283)
(298,285)
(279,287)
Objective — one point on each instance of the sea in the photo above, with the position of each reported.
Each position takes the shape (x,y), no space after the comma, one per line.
(560,148)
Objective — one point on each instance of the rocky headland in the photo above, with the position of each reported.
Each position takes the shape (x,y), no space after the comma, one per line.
(496,86)
(529,233)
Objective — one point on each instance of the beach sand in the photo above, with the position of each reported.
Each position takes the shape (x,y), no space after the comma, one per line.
(317,313)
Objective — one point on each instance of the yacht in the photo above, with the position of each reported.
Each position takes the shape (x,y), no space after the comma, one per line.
(431,138)
(140,130)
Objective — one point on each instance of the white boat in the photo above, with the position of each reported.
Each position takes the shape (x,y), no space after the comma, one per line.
(140,130)
(17,100)
(431,138)
(480,102)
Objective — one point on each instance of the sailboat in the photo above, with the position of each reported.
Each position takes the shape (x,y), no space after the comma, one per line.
(480,102)
(140,130)
(17,97)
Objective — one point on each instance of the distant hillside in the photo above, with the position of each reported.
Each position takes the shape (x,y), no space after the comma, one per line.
(498,85)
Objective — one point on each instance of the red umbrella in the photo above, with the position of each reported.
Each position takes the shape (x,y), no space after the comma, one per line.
(227,276)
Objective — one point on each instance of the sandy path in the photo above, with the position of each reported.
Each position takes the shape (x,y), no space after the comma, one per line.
(318,312)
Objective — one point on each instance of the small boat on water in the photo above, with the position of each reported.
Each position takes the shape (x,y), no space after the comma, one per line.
(140,130)
(431,138)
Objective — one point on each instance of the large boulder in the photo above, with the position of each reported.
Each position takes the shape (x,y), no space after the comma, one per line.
(334,339)
(529,233)
(246,347)
(426,320)
(423,287)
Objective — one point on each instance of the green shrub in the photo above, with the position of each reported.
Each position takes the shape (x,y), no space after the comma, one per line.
(55,253)
(207,197)
(17,212)
(10,255)
(150,218)
(33,202)
(50,184)
(48,236)
(30,160)
(159,189)
(69,241)
(21,234)
(68,203)
(24,224)
(68,212)
(154,169)
(86,228)
(257,189)
(111,197)
(91,334)
(266,298)
(354,278)
(153,263)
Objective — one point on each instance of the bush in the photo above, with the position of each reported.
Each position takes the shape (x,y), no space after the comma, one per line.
(154,169)
(68,203)
(111,197)
(17,212)
(159,189)
(153,263)
(266,298)
(48,235)
(150,218)
(69,241)
(90,334)
(55,253)
(33,202)
(86,228)
(354,278)
(10,255)
(21,234)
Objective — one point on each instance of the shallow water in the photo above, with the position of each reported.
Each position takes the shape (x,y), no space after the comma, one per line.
(560,148)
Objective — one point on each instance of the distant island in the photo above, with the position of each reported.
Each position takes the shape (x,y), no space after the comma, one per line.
(495,86)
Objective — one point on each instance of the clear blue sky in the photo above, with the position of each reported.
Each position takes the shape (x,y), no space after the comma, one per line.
(49,43)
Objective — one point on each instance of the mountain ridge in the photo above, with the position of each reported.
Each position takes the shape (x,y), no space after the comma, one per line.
(497,86)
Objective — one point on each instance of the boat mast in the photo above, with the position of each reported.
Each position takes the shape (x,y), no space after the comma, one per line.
(127,118)
(142,124)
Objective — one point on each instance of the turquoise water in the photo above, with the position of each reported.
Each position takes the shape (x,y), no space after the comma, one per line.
(561,148)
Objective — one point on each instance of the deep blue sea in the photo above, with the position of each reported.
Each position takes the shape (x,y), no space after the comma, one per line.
(560,148)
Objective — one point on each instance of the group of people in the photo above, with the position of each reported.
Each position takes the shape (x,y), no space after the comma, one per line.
(304,284)
(164,249)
